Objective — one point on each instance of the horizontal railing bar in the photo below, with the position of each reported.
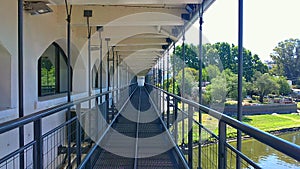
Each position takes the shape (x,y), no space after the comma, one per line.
(18,151)
(12,124)
(277,143)
(199,124)
(244,157)
(59,127)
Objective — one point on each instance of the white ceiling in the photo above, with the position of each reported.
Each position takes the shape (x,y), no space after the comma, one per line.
(137,28)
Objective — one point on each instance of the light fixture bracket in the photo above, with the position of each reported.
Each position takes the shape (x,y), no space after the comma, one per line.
(37,7)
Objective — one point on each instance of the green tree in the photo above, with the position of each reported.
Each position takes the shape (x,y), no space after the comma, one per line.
(232,84)
(223,86)
(171,86)
(224,52)
(287,58)
(223,55)
(212,71)
(264,84)
(190,81)
(284,87)
(191,57)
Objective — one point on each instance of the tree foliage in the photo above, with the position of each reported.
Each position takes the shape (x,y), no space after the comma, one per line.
(223,86)
(190,81)
(284,87)
(191,57)
(287,58)
(264,84)
(221,54)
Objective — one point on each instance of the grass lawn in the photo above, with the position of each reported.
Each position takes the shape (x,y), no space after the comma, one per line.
(263,122)
(273,122)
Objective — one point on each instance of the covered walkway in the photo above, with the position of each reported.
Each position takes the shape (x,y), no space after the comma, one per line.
(136,139)
(74,93)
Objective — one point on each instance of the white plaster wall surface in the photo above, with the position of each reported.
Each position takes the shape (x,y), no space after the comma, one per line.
(40,32)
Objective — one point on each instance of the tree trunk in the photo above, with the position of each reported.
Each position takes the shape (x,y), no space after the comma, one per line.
(261,98)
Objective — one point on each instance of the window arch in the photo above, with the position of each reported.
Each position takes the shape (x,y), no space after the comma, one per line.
(53,71)
(95,79)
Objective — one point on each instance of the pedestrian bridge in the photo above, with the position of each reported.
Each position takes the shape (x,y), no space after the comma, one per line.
(86,84)
(139,127)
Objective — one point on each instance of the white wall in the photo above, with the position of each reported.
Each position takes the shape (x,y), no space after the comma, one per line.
(40,31)
(5,78)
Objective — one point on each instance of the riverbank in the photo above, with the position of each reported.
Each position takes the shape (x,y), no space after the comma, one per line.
(275,132)
(271,123)
(274,123)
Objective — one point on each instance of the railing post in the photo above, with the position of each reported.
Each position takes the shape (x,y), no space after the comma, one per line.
(78,134)
(222,147)
(168,111)
(157,99)
(108,82)
(38,147)
(240,79)
(175,120)
(190,136)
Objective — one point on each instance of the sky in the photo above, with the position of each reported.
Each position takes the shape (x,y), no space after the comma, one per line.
(266,22)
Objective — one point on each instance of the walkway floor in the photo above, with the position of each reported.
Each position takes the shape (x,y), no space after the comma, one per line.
(137,139)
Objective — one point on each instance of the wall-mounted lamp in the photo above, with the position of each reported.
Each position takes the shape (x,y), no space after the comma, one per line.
(87,13)
(190,8)
(169,40)
(185,16)
(37,7)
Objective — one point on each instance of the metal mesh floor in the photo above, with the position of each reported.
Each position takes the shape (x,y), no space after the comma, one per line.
(148,126)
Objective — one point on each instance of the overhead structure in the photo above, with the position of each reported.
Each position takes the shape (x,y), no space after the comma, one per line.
(140,30)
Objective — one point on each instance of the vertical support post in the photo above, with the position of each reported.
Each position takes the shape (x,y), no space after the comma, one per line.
(190,136)
(175,120)
(201,11)
(118,80)
(222,149)
(240,81)
(100,61)
(20,78)
(89,62)
(88,14)
(38,147)
(163,87)
(183,83)
(69,12)
(113,83)
(173,67)
(108,82)
(78,134)
(127,75)
(153,77)
(160,85)
(168,88)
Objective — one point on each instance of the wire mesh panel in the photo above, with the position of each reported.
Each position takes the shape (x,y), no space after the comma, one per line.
(213,138)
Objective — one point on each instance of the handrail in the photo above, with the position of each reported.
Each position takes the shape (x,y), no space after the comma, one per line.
(277,143)
(199,124)
(15,123)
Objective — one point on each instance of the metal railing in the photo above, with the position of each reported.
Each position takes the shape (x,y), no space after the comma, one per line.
(204,148)
(67,144)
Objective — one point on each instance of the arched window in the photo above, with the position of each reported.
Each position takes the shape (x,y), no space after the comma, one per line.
(95,79)
(52,71)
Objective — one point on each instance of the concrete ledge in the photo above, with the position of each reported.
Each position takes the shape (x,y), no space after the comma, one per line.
(262,109)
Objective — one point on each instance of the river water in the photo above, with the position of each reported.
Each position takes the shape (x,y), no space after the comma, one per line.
(263,155)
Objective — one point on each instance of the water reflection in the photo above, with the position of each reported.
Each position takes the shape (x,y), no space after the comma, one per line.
(263,155)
